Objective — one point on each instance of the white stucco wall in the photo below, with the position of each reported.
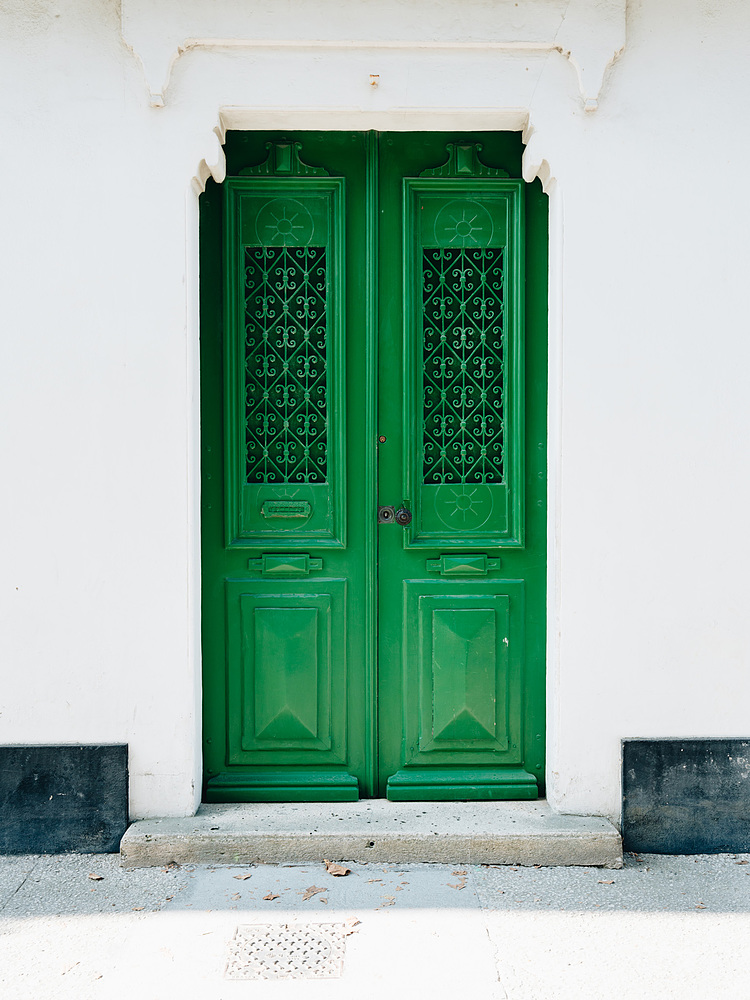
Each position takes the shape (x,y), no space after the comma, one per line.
(649,410)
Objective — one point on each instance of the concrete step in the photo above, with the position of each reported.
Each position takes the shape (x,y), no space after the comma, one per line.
(520,833)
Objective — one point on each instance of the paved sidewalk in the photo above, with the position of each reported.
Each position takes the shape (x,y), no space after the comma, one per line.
(661,927)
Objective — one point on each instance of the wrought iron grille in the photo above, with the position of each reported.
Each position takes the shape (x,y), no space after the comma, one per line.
(464,357)
(285,365)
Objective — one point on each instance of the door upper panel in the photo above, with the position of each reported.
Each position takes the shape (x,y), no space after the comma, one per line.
(285,445)
(463,353)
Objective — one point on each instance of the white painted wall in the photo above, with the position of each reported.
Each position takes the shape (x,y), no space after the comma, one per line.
(649,410)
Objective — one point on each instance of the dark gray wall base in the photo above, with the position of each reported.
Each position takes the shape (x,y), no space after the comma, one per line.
(688,796)
(55,799)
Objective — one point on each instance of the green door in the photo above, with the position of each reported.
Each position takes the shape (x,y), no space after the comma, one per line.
(373,385)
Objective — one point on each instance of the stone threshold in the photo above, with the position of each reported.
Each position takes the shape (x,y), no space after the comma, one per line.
(461,833)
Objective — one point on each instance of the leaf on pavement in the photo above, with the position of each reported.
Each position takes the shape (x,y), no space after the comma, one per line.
(334,868)
(272,895)
(313,890)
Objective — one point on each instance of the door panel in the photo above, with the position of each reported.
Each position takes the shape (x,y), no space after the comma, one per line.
(461,588)
(381,339)
(287,609)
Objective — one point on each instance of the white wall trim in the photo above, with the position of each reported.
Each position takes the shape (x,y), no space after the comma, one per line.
(591,36)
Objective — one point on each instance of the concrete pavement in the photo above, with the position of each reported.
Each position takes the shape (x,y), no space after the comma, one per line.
(660,927)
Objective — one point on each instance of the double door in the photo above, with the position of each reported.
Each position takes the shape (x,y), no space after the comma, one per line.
(373,381)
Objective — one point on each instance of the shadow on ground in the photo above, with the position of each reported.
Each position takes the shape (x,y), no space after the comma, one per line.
(95,884)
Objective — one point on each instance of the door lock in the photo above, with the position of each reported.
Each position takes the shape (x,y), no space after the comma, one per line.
(389,515)
(403,516)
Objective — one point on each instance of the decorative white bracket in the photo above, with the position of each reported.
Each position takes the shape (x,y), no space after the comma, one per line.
(590,33)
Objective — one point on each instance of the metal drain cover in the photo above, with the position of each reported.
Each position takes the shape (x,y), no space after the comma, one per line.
(286,951)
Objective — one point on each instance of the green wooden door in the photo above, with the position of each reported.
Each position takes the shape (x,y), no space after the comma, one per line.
(373,378)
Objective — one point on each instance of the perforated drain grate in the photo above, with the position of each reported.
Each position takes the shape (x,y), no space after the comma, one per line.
(286,951)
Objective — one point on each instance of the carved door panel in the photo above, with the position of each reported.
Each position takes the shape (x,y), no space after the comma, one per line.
(371,347)
(462,585)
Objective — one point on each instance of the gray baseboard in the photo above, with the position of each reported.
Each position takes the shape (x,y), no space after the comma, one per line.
(55,799)
(686,796)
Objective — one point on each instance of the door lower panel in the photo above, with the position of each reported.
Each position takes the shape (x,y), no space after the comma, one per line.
(286,690)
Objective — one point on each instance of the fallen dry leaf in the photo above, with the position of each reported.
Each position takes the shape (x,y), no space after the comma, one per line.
(97,878)
(349,925)
(273,895)
(399,888)
(700,906)
(459,872)
(334,868)
(136,908)
(374,880)
(324,900)
(389,901)
(606,881)
(236,895)
(740,862)
(242,877)
(459,885)
(313,890)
